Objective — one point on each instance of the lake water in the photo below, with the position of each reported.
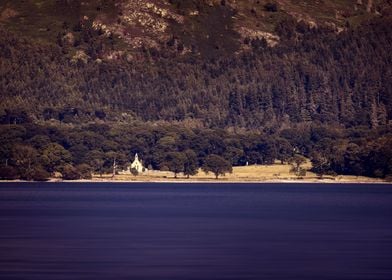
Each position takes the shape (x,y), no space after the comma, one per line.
(195,231)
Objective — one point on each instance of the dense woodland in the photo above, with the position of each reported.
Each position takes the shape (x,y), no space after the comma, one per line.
(32,151)
(313,75)
(319,93)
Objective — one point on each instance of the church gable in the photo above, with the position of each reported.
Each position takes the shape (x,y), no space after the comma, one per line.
(137,164)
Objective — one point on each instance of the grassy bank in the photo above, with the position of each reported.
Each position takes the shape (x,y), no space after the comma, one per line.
(254,173)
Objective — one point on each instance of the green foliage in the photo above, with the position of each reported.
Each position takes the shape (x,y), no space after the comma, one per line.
(296,161)
(84,171)
(12,133)
(301,80)
(271,7)
(55,157)
(175,162)
(321,165)
(134,172)
(69,172)
(217,165)
(25,158)
(191,164)
(8,173)
(332,149)
(96,159)
(39,141)
(284,150)
(39,174)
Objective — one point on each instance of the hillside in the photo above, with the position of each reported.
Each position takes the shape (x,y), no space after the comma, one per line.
(85,82)
(312,75)
(204,27)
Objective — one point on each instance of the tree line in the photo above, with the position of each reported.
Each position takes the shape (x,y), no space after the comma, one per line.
(32,151)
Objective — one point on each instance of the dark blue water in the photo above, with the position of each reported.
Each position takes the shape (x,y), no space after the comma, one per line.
(201,231)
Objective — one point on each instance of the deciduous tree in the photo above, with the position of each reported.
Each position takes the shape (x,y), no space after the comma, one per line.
(191,163)
(217,165)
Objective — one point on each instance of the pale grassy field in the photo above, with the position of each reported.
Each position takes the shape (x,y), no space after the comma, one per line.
(274,172)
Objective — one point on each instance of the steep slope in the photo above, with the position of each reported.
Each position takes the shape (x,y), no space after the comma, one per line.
(341,79)
(253,64)
(206,27)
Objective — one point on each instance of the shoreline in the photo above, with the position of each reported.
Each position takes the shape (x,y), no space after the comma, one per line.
(255,174)
(208,181)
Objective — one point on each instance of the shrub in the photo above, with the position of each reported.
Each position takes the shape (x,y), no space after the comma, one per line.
(39,174)
(70,173)
(84,171)
(271,7)
(134,172)
(8,173)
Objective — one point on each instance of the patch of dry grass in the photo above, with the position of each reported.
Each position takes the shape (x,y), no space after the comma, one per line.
(252,173)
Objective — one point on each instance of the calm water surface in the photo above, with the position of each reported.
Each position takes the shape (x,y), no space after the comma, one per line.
(196,231)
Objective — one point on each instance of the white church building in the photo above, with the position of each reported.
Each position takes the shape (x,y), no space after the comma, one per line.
(137,164)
